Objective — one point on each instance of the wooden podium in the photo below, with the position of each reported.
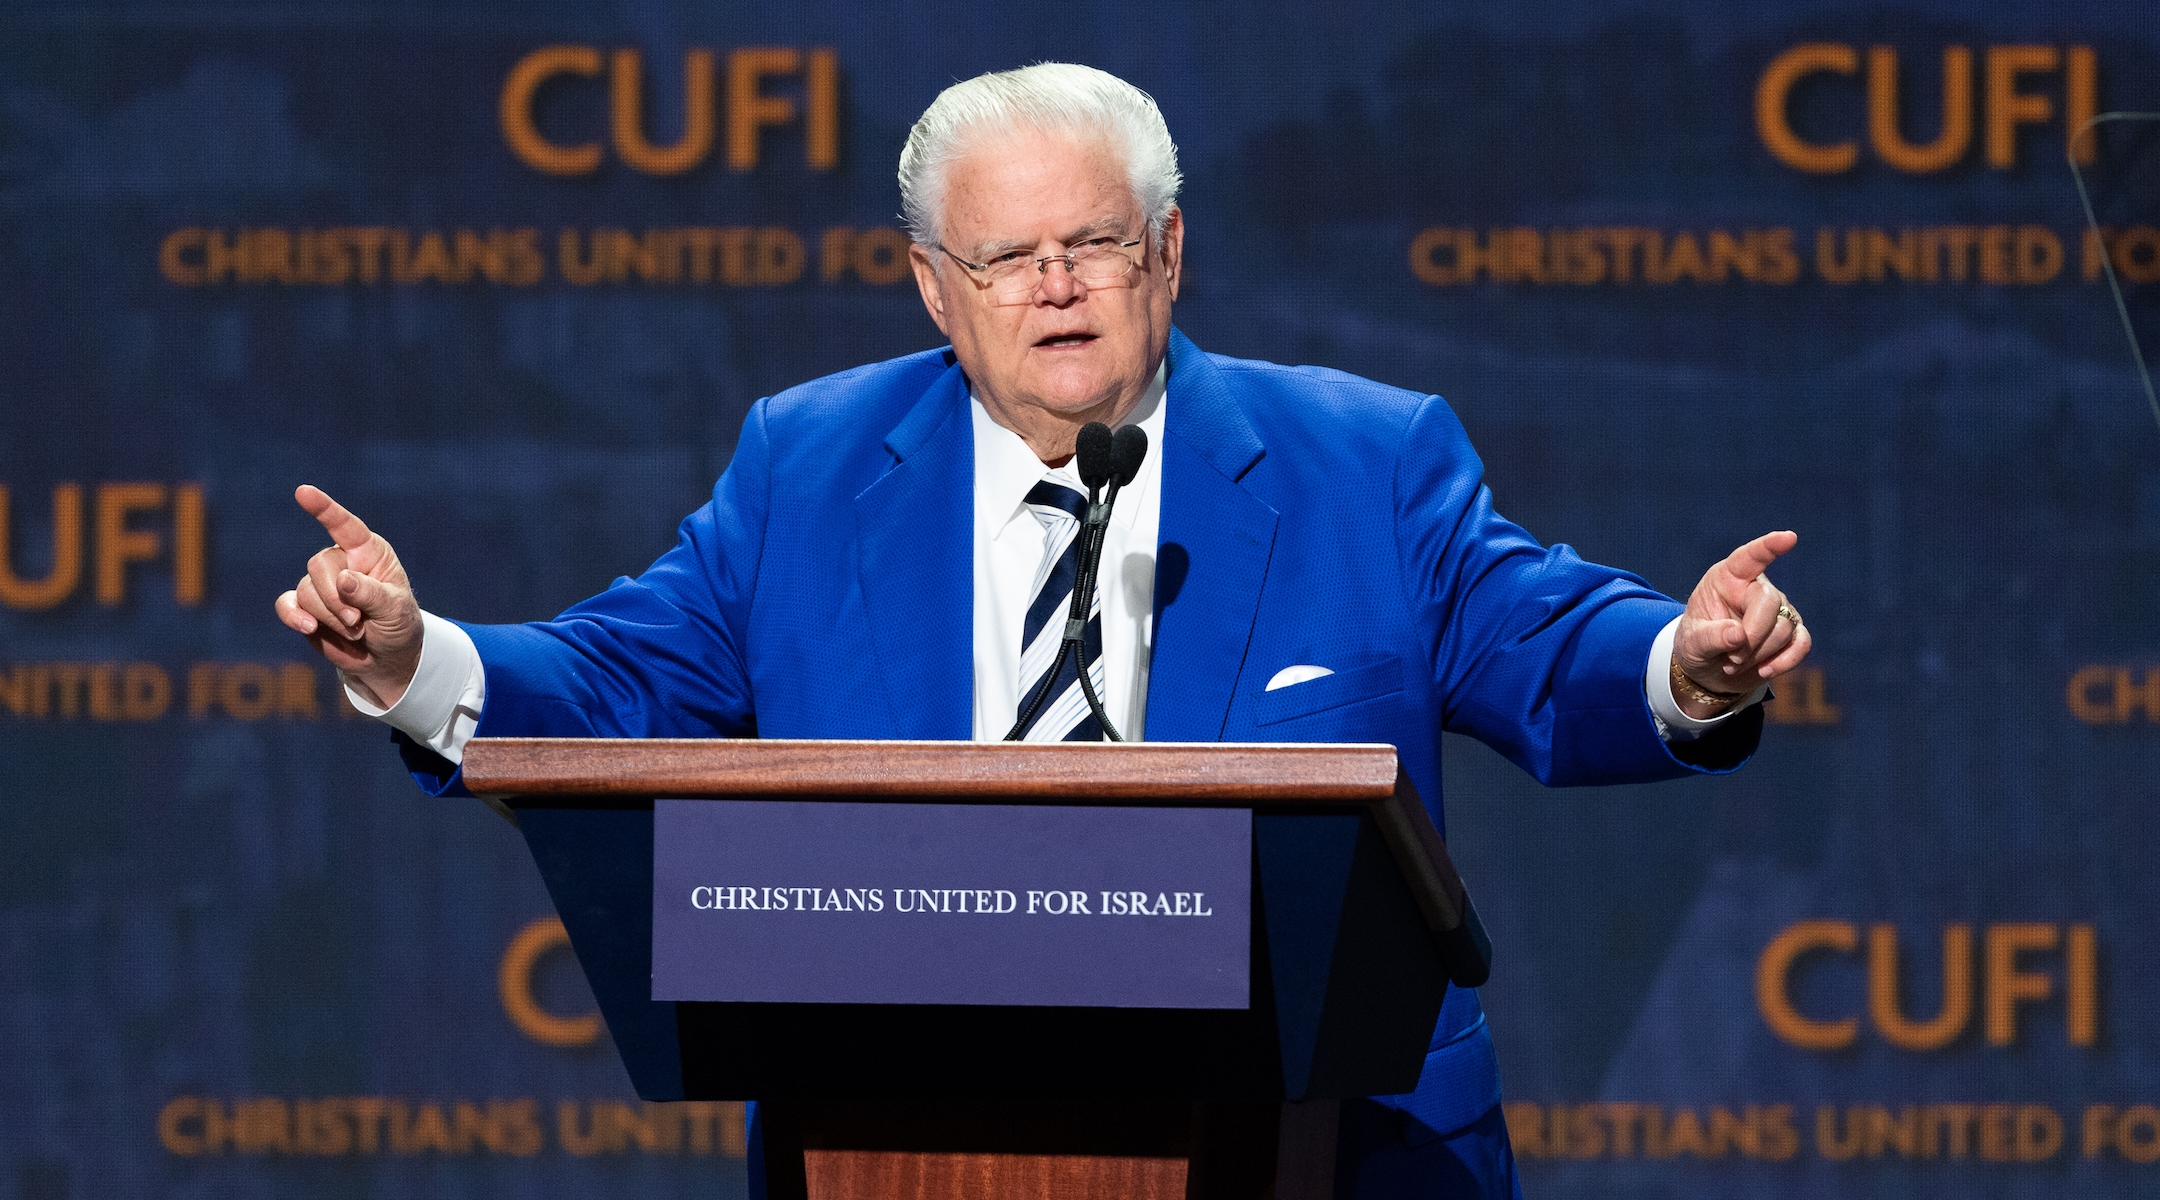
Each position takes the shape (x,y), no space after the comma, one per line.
(1359,923)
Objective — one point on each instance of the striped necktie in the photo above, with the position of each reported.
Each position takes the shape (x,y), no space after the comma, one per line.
(1064,715)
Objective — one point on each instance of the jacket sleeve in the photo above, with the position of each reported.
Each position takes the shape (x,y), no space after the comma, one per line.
(660,655)
(1535,651)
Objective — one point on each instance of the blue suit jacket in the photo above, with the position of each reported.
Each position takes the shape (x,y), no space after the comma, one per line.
(1307,517)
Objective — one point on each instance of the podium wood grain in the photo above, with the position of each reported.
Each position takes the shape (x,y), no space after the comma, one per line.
(1136,1150)
(1171,773)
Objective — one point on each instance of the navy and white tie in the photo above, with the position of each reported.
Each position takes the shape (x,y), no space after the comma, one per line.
(1064,715)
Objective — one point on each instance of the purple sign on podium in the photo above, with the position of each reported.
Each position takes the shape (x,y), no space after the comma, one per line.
(843,903)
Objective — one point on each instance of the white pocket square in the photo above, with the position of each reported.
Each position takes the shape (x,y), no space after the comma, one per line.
(1301,673)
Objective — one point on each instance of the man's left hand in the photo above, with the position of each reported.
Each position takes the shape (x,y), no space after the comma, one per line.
(1738,631)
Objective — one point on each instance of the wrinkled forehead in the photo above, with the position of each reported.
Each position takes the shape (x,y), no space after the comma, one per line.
(1018,187)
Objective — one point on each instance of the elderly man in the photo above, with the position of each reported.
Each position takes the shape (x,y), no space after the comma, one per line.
(1306,556)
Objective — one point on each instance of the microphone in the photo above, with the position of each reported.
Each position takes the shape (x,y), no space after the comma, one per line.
(1102,459)
(1128,447)
(1093,452)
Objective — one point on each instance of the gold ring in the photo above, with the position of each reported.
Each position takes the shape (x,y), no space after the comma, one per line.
(1786,611)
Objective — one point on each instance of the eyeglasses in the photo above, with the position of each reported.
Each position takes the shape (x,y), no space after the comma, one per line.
(1098,262)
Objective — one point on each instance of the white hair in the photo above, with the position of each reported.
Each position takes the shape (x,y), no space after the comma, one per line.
(1050,98)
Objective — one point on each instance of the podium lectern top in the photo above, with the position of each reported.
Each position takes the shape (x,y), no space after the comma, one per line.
(1180,773)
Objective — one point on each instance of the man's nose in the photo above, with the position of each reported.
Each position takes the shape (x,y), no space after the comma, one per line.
(1057,285)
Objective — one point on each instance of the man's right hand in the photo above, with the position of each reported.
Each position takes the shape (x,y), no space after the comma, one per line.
(355,604)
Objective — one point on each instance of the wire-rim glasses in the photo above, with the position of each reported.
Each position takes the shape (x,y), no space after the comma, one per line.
(1097,263)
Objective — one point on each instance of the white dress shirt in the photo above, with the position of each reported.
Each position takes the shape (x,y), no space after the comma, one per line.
(441,707)
(1009,548)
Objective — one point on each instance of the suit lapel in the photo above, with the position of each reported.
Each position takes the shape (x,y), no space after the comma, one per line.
(1215,542)
(915,549)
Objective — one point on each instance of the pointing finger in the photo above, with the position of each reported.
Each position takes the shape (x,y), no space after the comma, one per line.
(1749,562)
(347,530)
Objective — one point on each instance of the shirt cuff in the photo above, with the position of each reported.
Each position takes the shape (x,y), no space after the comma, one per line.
(441,706)
(1674,725)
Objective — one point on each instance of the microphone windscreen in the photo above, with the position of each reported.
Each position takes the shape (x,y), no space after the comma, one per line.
(1127,451)
(1096,454)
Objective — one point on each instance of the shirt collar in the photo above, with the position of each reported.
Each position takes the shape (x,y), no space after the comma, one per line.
(1005,469)
(1148,415)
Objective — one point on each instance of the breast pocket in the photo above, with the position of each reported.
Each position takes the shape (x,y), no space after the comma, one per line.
(1353,685)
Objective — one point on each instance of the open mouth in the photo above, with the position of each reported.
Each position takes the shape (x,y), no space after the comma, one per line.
(1060,340)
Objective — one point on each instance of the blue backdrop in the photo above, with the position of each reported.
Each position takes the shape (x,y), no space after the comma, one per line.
(1687,271)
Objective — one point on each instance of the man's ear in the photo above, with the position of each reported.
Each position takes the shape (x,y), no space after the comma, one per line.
(926,282)
(1173,249)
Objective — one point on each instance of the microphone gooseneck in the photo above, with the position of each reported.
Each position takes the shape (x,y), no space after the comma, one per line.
(1101,458)
(1127,449)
